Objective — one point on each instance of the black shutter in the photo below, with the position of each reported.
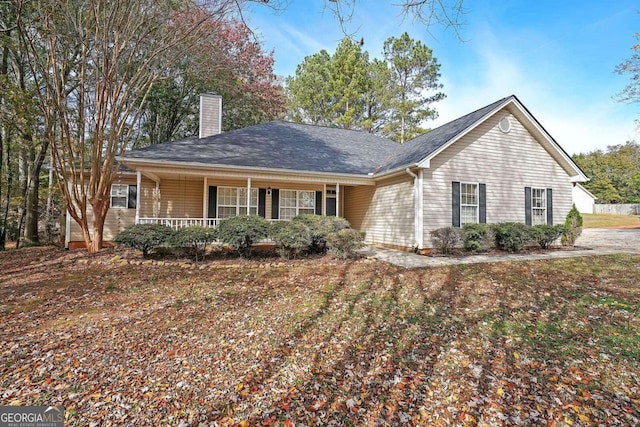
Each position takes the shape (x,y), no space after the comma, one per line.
(318,202)
(262,198)
(213,202)
(482,205)
(549,206)
(527,205)
(132,196)
(275,204)
(455,204)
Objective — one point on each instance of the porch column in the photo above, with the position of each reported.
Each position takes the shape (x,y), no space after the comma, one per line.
(338,199)
(138,191)
(419,209)
(324,200)
(205,199)
(248,195)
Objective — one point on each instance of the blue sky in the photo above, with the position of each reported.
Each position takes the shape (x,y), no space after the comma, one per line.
(558,57)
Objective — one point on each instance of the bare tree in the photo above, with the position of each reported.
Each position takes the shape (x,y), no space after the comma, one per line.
(94,62)
(631,67)
(446,13)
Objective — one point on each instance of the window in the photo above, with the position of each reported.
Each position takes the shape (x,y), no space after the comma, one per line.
(468,203)
(294,203)
(233,202)
(123,196)
(538,206)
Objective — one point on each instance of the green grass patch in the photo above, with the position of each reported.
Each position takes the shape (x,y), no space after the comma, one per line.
(610,221)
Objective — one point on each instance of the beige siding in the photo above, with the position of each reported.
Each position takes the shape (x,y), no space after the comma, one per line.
(181,198)
(146,197)
(505,162)
(385,213)
(117,218)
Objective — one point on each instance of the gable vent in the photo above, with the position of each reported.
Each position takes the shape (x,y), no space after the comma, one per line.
(505,125)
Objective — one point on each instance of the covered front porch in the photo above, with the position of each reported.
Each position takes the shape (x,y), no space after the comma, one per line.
(187,198)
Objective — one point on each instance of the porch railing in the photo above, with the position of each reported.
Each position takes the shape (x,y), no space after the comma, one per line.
(177,223)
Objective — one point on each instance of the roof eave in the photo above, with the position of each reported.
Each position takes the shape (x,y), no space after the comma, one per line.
(366,179)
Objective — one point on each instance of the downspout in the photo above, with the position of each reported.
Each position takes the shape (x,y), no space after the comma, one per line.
(418,208)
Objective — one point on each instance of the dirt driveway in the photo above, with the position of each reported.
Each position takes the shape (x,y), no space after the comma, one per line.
(610,238)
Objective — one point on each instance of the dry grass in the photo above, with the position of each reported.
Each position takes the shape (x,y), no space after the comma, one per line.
(321,342)
(610,221)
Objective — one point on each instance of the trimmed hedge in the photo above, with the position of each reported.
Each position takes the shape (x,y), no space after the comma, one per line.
(511,236)
(572,227)
(320,227)
(344,243)
(445,239)
(144,237)
(291,238)
(241,232)
(545,234)
(476,237)
(193,240)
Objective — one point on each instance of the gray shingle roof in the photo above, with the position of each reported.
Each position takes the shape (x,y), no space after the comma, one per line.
(279,145)
(293,146)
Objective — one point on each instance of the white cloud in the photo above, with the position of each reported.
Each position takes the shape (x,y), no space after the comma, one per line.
(579,118)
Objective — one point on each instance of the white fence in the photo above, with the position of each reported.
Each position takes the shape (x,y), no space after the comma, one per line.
(620,209)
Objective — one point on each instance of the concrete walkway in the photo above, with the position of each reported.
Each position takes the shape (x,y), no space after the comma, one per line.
(592,242)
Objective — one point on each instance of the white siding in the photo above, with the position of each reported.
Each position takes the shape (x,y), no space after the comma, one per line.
(385,213)
(506,163)
(583,200)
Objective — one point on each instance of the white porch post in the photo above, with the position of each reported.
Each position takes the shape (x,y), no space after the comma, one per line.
(205,198)
(324,200)
(138,191)
(338,199)
(248,195)
(419,209)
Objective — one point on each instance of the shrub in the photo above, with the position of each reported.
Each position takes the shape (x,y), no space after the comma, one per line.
(193,239)
(10,229)
(344,243)
(445,239)
(144,237)
(511,236)
(545,234)
(320,227)
(572,227)
(476,237)
(241,232)
(291,238)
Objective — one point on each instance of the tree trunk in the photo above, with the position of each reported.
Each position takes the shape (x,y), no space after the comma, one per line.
(33,196)
(48,220)
(2,223)
(3,229)
(98,226)
(23,182)
(4,69)
(32,211)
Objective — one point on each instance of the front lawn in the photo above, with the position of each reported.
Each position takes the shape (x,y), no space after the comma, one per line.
(321,342)
(610,221)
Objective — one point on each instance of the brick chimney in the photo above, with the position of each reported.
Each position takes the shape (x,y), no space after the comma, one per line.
(210,115)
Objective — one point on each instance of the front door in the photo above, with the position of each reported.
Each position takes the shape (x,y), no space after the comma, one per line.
(331,203)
